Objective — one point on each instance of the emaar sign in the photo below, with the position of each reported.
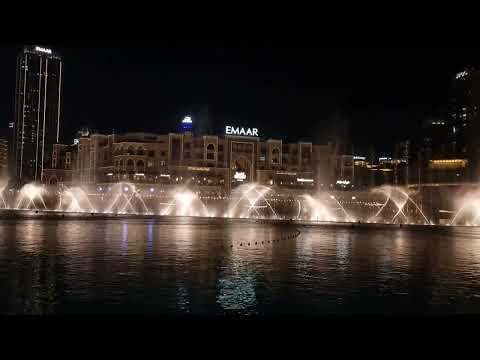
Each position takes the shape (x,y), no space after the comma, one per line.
(232,130)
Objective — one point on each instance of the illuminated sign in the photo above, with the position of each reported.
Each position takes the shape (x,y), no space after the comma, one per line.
(75,141)
(11,125)
(240,176)
(305,180)
(461,74)
(286,173)
(359,158)
(43,50)
(194,168)
(232,130)
(343,182)
(187,123)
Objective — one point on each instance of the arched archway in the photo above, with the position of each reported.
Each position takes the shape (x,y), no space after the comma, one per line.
(276,156)
(130,166)
(140,166)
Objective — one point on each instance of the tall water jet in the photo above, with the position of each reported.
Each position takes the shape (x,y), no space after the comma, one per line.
(315,210)
(3,201)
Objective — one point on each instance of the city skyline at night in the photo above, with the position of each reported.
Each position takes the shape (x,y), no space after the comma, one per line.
(390,90)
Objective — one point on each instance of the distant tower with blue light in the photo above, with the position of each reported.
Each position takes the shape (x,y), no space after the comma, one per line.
(187,124)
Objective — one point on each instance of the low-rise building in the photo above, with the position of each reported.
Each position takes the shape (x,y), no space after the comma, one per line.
(208,162)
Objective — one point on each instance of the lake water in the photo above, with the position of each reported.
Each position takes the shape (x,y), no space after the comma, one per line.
(182,266)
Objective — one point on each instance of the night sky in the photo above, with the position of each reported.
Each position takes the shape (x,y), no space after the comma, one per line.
(362,95)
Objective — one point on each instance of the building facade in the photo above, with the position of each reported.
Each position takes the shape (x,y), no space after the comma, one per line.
(3,158)
(464,120)
(38,105)
(220,163)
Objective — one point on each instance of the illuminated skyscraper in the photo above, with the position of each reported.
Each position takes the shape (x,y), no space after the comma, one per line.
(38,106)
(465,119)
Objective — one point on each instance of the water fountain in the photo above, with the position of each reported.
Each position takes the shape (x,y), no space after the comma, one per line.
(468,212)
(126,199)
(75,199)
(386,204)
(396,200)
(3,186)
(31,197)
(316,210)
(184,202)
(249,200)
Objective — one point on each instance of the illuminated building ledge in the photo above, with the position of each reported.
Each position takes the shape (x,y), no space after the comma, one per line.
(448,163)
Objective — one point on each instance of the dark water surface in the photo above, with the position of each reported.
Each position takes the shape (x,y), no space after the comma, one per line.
(194,266)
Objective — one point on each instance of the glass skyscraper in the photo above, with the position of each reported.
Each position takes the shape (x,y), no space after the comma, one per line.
(38,107)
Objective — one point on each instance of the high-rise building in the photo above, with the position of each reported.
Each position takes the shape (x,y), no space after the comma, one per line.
(38,108)
(465,119)
(3,158)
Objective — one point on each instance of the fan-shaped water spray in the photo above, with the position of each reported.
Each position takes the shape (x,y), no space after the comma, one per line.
(31,197)
(126,199)
(75,199)
(468,212)
(396,200)
(249,200)
(184,203)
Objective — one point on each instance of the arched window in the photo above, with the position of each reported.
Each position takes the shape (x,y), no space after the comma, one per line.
(130,165)
(121,164)
(210,147)
(140,166)
(140,151)
(275,156)
(131,150)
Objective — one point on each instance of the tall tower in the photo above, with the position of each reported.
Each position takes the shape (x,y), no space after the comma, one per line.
(464,121)
(38,105)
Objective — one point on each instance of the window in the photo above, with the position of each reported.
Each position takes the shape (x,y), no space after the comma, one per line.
(210,147)
(151,153)
(130,165)
(210,156)
(140,166)
(275,156)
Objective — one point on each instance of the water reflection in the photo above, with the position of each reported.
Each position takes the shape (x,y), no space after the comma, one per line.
(198,266)
(236,287)
(125,235)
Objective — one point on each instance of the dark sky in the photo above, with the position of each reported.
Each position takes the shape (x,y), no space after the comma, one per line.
(366,95)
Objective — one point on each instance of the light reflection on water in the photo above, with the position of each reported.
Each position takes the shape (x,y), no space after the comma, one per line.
(204,266)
